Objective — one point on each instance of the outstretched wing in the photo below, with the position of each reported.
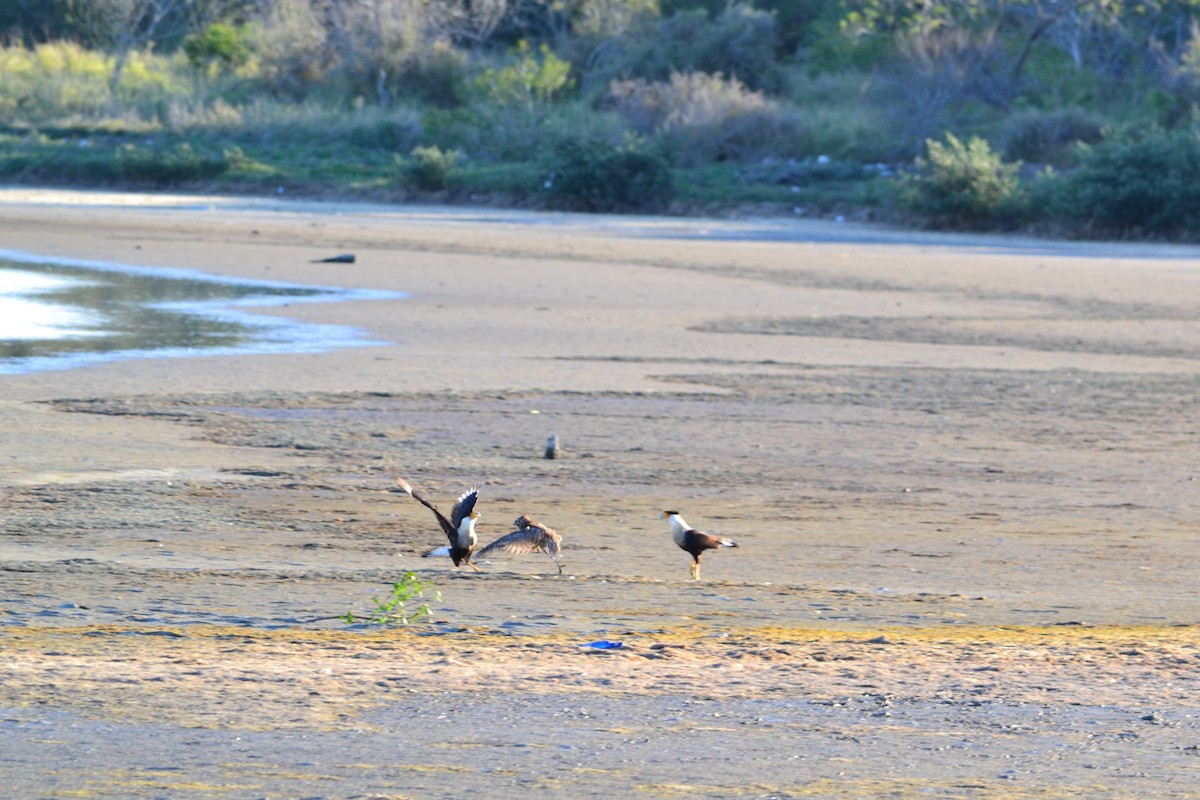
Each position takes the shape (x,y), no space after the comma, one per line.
(530,537)
(463,508)
(552,545)
(516,543)
(449,529)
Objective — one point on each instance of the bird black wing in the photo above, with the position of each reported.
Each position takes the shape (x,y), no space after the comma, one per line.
(450,530)
(463,508)
(695,541)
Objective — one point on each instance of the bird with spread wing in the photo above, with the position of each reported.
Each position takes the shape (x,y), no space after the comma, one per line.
(530,536)
(460,528)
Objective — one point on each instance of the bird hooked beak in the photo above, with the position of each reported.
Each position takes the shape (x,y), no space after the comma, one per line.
(475,515)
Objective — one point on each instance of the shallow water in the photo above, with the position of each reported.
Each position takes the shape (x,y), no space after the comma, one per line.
(63,313)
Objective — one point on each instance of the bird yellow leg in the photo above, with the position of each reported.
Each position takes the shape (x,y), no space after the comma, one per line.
(695,570)
(472,566)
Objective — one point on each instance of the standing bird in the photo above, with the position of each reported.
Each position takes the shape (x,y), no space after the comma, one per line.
(460,528)
(529,537)
(692,540)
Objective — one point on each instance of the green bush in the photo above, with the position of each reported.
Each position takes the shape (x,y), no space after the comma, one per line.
(961,185)
(1050,136)
(740,42)
(374,128)
(427,169)
(437,75)
(702,118)
(592,175)
(532,79)
(162,166)
(313,125)
(219,43)
(502,134)
(62,83)
(41,158)
(1137,182)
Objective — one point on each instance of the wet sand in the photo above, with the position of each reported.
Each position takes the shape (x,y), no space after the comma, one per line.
(961,472)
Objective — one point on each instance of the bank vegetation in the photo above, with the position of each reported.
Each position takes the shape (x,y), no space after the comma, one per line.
(1068,117)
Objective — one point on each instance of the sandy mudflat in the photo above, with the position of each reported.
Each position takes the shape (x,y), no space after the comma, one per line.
(962,472)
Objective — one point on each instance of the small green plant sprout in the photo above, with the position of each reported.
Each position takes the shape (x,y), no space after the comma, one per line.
(401,607)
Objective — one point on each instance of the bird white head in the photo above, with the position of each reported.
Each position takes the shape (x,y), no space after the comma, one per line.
(677,523)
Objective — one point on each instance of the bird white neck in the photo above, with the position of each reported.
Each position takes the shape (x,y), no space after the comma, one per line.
(466,533)
(678,527)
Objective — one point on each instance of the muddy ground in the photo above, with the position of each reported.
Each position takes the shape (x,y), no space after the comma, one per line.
(961,473)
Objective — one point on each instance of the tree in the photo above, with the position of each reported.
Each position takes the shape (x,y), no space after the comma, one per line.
(121,26)
(30,21)
(990,43)
(381,45)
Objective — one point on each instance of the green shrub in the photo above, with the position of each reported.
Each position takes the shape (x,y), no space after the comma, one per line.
(40,158)
(427,169)
(162,166)
(531,79)
(739,42)
(219,43)
(702,118)
(592,175)
(961,185)
(1137,182)
(496,133)
(317,125)
(61,82)
(437,75)
(376,128)
(685,99)
(1050,136)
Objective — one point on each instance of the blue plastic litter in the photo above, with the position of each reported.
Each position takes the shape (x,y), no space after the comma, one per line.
(603,644)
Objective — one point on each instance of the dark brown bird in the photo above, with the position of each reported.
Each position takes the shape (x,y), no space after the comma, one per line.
(693,541)
(460,528)
(530,536)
